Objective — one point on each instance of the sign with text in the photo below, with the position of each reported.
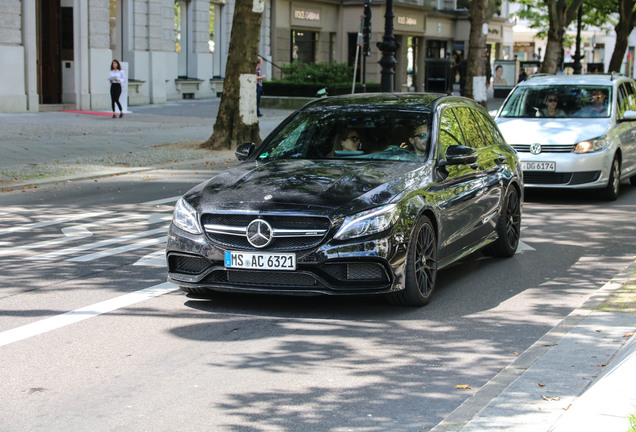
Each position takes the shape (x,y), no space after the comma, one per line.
(306,16)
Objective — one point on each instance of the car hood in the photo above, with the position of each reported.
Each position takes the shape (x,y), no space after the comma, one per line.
(304,185)
(551,131)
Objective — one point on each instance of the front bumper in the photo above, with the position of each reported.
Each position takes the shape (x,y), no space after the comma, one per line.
(370,266)
(576,171)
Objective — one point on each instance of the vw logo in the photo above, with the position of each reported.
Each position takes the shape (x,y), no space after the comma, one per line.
(535,148)
(259,233)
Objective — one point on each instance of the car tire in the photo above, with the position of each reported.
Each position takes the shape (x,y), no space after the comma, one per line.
(420,272)
(508,227)
(610,192)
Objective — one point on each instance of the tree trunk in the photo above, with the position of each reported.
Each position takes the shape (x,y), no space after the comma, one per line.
(475,63)
(560,15)
(626,22)
(236,121)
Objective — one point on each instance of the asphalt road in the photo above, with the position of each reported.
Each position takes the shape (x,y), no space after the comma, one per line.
(91,337)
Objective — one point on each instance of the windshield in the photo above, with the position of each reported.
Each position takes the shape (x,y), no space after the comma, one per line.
(564,101)
(341,133)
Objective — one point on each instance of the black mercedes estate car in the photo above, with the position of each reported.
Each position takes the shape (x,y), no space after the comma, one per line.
(353,195)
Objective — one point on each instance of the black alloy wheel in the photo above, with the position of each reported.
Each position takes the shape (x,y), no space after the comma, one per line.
(508,227)
(421,266)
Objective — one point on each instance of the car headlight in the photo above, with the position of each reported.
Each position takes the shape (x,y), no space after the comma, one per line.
(185,217)
(590,146)
(368,222)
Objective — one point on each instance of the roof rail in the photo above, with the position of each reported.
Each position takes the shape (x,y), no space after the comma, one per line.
(537,75)
(616,75)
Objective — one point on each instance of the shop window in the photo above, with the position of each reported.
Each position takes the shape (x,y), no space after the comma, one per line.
(332,47)
(303,46)
(181,36)
(435,49)
(214,43)
(115,28)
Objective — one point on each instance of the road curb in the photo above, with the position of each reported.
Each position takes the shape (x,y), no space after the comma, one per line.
(114,171)
(470,409)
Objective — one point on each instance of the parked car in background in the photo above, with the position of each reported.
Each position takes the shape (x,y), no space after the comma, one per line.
(353,195)
(573,131)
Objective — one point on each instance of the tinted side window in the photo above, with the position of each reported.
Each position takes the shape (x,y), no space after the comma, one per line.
(623,100)
(487,124)
(470,127)
(631,95)
(449,131)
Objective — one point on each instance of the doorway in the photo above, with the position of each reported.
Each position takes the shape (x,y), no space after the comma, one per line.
(49,51)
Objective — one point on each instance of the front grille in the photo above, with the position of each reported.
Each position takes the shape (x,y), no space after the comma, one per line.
(187,264)
(577,178)
(332,277)
(365,271)
(532,177)
(270,278)
(546,148)
(356,272)
(229,230)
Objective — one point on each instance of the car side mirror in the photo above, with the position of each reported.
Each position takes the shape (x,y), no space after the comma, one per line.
(460,155)
(629,116)
(244,150)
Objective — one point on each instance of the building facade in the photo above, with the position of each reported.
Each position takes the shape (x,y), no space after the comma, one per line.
(59,52)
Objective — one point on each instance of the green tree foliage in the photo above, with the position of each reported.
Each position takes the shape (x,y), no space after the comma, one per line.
(554,16)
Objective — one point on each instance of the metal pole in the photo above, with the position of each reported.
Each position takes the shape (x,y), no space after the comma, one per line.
(355,65)
(388,46)
(578,68)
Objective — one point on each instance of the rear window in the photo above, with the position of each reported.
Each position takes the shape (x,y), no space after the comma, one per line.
(558,101)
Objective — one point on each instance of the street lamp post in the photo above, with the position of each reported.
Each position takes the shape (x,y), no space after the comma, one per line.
(388,46)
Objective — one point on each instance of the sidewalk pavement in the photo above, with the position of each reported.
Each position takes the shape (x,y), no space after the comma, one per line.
(580,376)
(56,146)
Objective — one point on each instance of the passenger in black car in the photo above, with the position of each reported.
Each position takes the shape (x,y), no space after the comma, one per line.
(419,140)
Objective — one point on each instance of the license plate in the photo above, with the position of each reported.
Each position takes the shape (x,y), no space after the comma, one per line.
(538,166)
(260,260)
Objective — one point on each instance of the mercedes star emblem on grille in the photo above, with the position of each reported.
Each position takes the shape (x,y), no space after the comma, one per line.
(259,233)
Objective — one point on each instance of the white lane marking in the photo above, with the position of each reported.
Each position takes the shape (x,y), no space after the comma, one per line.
(524,247)
(70,234)
(163,201)
(89,246)
(77,315)
(121,249)
(35,225)
(155,259)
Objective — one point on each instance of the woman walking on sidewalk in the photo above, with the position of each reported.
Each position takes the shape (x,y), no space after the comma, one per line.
(116,78)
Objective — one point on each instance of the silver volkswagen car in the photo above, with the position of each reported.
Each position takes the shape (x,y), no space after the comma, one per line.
(573,131)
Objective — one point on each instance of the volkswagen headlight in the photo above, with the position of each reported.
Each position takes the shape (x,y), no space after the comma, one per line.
(185,217)
(368,222)
(590,146)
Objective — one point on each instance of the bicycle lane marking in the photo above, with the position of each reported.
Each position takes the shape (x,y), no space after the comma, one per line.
(48,324)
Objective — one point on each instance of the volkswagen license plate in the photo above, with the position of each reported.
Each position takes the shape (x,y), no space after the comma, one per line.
(260,260)
(538,166)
